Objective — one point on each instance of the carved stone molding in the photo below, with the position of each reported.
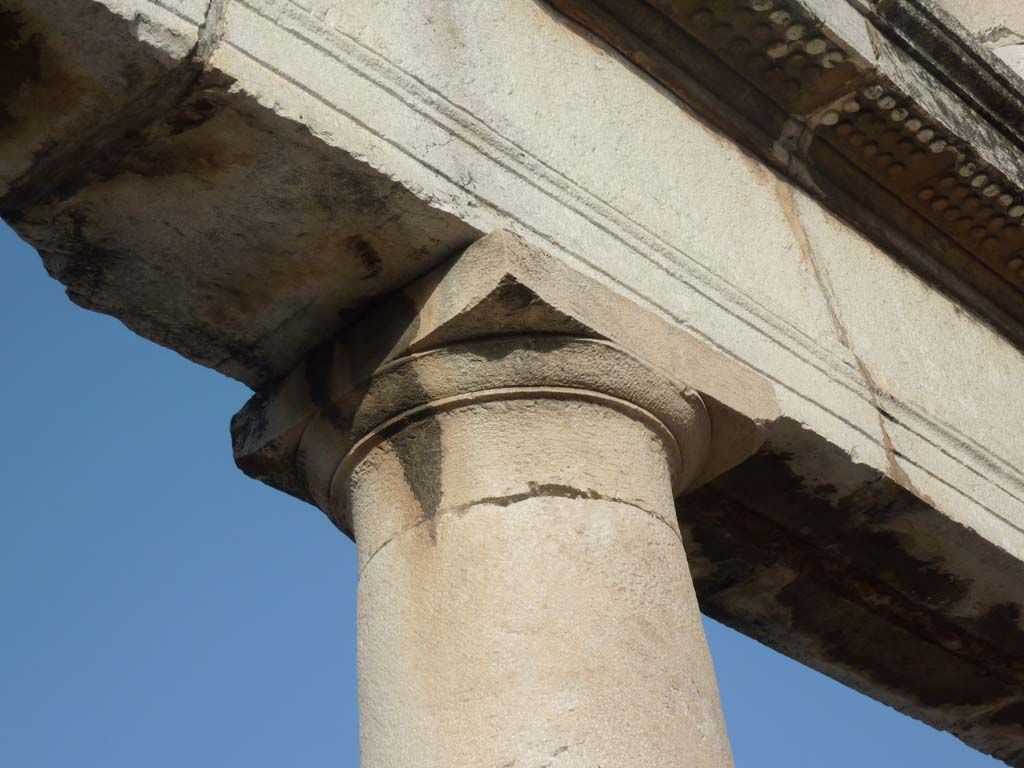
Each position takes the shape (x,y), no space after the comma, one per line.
(440,343)
(895,121)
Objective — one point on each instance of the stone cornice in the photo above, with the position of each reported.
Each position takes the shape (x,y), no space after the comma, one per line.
(943,46)
(885,112)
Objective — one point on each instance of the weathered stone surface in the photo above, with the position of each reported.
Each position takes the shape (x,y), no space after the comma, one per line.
(458,119)
(70,70)
(190,212)
(929,612)
(508,474)
(997,24)
(542,611)
(293,435)
(880,111)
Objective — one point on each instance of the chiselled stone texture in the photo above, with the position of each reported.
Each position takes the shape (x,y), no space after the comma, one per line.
(524,595)
(479,520)
(876,115)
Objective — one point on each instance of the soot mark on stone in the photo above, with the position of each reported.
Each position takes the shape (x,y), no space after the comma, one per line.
(420,452)
(366,254)
(20,60)
(843,581)
(853,636)
(1004,621)
(1012,714)
(319,364)
(853,524)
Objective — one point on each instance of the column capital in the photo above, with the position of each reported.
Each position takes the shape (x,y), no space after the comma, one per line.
(502,320)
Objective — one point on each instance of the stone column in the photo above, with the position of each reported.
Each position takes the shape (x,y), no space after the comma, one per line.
(524,596)
(507,456)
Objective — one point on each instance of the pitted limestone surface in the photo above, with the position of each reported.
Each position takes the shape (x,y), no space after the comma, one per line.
(783,553)
(997,24)
(524,596)
(877,110)
(449,462)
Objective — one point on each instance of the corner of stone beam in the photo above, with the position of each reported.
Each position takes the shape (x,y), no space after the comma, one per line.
(294,435)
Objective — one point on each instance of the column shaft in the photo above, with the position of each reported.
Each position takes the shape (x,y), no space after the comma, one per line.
(524,597)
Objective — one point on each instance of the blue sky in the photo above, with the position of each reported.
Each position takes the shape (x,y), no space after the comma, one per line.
(161,609)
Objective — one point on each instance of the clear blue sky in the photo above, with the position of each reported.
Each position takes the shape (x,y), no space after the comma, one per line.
(161,609)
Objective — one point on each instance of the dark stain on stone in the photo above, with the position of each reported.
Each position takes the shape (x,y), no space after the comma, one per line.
(79,263)
(69,166)
(852,524)
(337,416)
(1012,714)
(867,641)
(420,452)
(320,385)
(365,253)
(319,364)
(1004,621)
(192,114)
(191,132)
(827,579)
(417,439)
(384,327)
(361,192)
(20,60)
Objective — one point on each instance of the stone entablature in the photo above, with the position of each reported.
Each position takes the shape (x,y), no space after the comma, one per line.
(885,112)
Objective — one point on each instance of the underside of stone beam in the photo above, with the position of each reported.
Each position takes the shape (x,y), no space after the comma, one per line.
(240,180)
(865,584)
(159,193)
